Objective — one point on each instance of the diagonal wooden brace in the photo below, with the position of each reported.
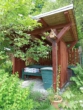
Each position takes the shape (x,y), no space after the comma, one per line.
(62,32)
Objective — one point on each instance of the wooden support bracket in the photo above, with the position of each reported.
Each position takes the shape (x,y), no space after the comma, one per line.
(43,22)
(66,13)
(42,30)
(62,32)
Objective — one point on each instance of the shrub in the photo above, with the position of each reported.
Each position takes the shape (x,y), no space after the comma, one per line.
(7,66)
(12,95)
(78,78)
(72,98)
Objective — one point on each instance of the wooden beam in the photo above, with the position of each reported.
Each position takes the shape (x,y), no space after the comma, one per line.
(62,32)
(54,60)
(72,44)
(39,31)
(66,13)
(67,16)
(54,63)
(43,22)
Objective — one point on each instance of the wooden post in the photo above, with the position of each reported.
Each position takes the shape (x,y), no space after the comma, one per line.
(54,59)
(54,62)
(54,50)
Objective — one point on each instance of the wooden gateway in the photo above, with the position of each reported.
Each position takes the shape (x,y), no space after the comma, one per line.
(61,26)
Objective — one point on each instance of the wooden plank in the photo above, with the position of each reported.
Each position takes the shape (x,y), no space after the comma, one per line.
(43,22)
(18,65)
(63,63)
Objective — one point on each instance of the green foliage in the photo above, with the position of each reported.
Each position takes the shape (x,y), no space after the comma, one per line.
(3,55)
(15,21)
(38,6)
(52,5)
(41,99)
(7,66)
(78,78)
(72,98)
(78,8)
(36,50)
(12,95)
(39,50)
(81,89)
(16,14)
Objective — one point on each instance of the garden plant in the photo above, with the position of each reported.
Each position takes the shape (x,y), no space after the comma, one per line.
(12,95)
(15,21)
(73,95)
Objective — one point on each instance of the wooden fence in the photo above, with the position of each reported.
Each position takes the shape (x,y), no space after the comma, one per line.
(47,60)
(73,57)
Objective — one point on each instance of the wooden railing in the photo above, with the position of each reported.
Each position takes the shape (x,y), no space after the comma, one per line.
(73,57)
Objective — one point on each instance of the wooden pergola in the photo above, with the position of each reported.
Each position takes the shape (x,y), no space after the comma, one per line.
(61,26)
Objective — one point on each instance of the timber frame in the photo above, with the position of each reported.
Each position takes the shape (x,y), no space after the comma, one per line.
(61,26)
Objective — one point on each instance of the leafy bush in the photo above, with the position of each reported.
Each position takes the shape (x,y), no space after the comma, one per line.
(12,95)
(7,66)
(78,78)
(72,99)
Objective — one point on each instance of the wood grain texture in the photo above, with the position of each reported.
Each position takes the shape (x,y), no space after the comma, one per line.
(63,62)
(54,63)
(18,65)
